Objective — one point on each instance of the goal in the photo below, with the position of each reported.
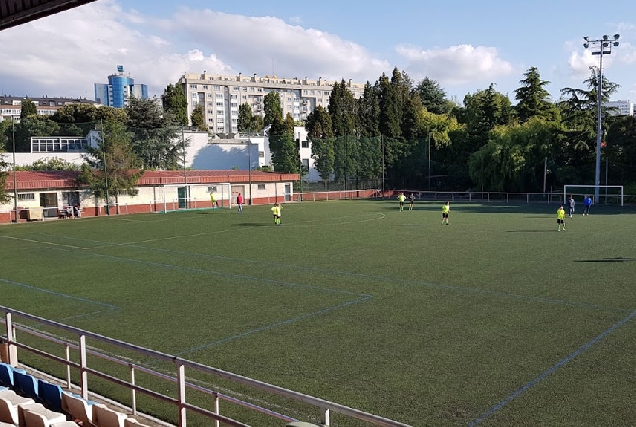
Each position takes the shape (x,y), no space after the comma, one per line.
(609,194)
(178,197)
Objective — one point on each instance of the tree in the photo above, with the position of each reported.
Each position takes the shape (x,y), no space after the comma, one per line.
(175,103)
(156,142)
(4,166)
(534,100)
(285,151)
(368,112)
(51,164)
(433,96)
(79,119)
(198,118)
(247,122)
(28,109)
(111,168)
(32,126)
(272,107)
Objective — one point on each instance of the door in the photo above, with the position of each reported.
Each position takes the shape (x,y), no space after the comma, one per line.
(288,192)
(182,194)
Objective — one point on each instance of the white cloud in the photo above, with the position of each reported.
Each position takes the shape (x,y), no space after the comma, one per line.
(65,54)
(268,45)
(455,65)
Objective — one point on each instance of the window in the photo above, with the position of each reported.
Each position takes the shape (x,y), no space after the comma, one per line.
(220,120)
(205,87)
(304,144)
(217,87)
(219,112)
(212,189)
(306,164)
(219,104)
(26,196)
(261,186)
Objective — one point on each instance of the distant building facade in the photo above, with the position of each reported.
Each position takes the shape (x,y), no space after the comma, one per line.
(119,90)
(620,108)
(220,96)
(10,106)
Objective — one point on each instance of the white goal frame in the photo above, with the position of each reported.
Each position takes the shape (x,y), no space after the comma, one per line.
(224,194)
(565,191)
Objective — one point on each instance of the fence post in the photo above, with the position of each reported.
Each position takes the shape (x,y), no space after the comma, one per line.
(182,393)
(83,373)
(133,394)
(325,417)
(68,367)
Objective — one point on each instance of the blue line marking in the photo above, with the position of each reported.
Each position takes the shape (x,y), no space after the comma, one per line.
(58,294)
(274,325)
(545,374)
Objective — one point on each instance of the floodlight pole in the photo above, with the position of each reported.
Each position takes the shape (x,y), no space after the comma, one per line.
(429,160)
(600,47)
(15,174)
(185,171)
(105,169)
(249,169)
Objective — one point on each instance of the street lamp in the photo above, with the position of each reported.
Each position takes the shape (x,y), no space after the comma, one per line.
(15,173)
(429,160)
(600,47)
(249,170)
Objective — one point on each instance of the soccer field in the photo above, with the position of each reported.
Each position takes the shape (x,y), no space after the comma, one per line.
(496,319)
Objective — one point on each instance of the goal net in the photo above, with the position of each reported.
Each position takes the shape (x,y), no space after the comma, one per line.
(607,194)
(179,197)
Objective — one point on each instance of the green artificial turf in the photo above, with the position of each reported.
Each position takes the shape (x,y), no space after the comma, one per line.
(494,320)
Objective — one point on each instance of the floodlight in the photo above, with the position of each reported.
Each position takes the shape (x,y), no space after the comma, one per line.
(615,43)
(586,45)
(616,36)
(605,37)
(586,38)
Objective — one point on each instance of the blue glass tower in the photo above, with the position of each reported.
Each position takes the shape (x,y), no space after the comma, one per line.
(119,90)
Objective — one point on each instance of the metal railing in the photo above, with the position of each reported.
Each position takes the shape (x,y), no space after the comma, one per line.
(180,378)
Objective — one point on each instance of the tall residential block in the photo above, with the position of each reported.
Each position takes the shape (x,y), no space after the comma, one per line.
(220,96)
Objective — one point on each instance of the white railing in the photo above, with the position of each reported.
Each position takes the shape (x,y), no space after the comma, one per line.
(180,403)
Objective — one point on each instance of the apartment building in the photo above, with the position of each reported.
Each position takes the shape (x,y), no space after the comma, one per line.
(620,108)
(10,106)
(220,96)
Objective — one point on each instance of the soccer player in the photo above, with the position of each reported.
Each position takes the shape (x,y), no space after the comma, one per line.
(401,199)
(276,210)
(445,211)
(215,204)
(560,218)
(239,202)
(587,202)
(571,204)
(411,201)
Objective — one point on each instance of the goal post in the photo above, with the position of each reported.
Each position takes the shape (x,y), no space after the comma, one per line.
(179,197)
(612,192)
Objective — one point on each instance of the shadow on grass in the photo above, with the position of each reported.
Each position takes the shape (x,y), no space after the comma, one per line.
(253,224)
(618,259)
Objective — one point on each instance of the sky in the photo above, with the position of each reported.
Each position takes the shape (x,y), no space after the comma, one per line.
(465,45)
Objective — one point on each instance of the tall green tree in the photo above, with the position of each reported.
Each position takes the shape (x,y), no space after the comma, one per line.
(433,96)
(111,168)
(533,99)
(4,167)
(156,141)
(28,109)
(247,121)
(198,118)
(80,118)
(175,103)
(368,112)
(285,151)
(272,108)
(320,133)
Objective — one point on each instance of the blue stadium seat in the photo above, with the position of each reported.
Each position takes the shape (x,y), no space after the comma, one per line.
(7,374)
(50,394)
(25,384)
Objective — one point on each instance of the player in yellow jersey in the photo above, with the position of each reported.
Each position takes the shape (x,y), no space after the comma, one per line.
(560,218)
(276,210)
(401,198)
(445,212)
